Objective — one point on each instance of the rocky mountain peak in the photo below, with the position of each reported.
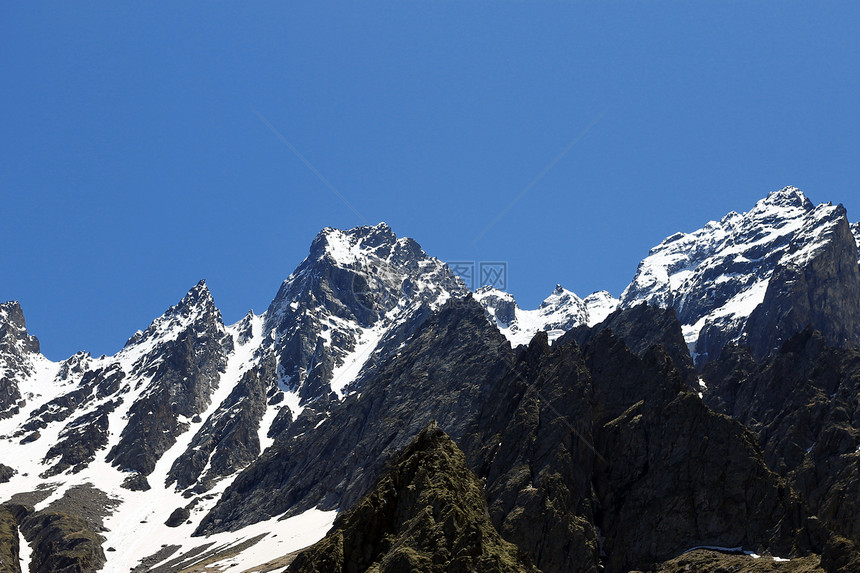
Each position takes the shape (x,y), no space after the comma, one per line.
(714,277)
(352,289)
(558,313)
(344,246)
(13,329)
(787,197)
(196,307)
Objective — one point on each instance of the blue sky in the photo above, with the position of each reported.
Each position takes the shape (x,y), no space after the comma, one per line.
(134,160)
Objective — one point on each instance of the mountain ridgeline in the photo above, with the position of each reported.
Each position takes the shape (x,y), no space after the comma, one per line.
(382,414)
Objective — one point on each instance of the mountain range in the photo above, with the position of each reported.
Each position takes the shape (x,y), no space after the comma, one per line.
(381,413)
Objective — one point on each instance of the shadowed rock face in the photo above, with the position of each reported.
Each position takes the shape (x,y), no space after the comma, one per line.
(591,442)
(532,443)
(641,327)
(16,347)
(426,513)
(802,404)
(816,284)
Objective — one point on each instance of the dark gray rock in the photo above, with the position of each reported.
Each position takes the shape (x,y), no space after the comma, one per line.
(136,482)
(803,405)
(6,473)
(641,327)
(81,439)
(179,516)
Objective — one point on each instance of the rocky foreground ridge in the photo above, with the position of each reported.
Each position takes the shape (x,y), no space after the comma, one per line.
(714,404)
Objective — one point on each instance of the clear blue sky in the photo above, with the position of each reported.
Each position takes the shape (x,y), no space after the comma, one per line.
(133,161)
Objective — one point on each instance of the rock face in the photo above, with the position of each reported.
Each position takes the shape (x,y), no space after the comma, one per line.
(817,283)
(6,473)
(802,404)
(62,542)
(641,327)
(184,372)
(596,442)
(444,372)
(533,444)
(229,439)
(715,277)
(17,348)
(62,537)
(426,513)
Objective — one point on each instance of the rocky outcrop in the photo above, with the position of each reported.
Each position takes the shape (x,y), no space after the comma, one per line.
(183,370)
(81,439)
(228,440)
(63,538)
(426,513)
(817,283)
(62,543)
(533,443)
(6,473)
(16,350)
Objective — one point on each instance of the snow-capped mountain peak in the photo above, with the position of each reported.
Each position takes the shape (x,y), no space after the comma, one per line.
(354,286)
(714,277)
(558,313)
(196,305)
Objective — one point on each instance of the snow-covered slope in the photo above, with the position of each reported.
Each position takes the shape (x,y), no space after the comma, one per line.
(558,313)
(716,276)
